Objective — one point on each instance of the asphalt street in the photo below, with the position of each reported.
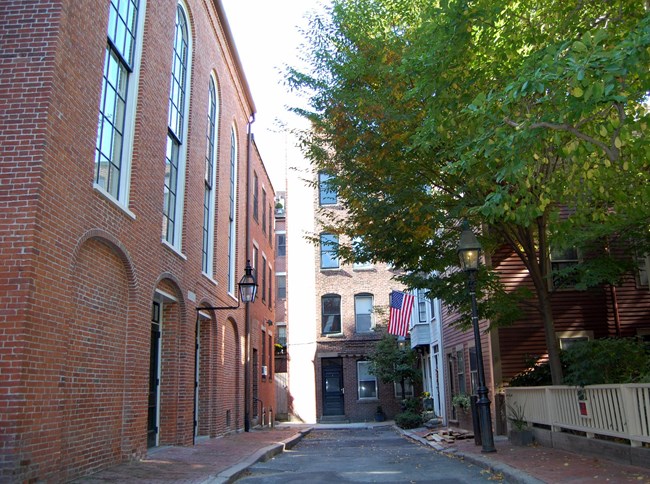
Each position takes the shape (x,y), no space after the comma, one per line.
(377,454)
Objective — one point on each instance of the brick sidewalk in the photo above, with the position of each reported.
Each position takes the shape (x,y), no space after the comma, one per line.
(543,464)
(201,463)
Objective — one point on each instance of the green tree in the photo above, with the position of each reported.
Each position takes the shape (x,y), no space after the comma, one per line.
(528,118)
(392,363)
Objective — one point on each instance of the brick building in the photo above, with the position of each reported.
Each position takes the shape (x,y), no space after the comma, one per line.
(127,203)
(351,302)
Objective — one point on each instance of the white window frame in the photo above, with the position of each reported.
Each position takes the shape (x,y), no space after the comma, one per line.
(173,237)
(323,177)
(328,248)
(357,313)
(212,140)
(278,276)
(409,390)
(323,326)
(363,372)
(232,211)
(125,149)
(360,266)
(566,338)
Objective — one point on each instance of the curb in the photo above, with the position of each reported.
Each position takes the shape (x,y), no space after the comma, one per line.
(234,472)
(511,474)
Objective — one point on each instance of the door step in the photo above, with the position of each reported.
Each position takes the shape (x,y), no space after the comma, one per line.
(334,419)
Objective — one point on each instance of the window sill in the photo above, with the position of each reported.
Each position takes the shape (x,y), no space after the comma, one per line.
(173,249)
(107,196)
(333,335)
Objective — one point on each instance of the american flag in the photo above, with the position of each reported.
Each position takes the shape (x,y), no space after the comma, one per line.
(401,306)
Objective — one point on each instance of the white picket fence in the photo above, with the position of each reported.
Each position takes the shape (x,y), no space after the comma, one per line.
(613,410)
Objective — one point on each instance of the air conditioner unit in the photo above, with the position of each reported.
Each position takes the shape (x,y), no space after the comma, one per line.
(265,370)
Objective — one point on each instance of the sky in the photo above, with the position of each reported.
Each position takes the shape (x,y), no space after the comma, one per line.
(267,37)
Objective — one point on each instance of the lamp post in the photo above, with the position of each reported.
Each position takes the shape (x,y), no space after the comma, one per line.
(469,252)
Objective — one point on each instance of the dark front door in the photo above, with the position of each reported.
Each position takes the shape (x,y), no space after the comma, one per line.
(332,387)
(154,379)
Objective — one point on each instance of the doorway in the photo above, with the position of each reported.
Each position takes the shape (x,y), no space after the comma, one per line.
(333,390)
(153,416)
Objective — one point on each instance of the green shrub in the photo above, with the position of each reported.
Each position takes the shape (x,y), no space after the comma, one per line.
(408,420)
(606,361)
(412,405)
(594,362)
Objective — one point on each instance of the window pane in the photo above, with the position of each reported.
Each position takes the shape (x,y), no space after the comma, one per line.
(367,382)
(282,245)
(363,313)
(331,314)
(328,248)
(327,194)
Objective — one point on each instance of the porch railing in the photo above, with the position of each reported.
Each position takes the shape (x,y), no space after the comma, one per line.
(621,411)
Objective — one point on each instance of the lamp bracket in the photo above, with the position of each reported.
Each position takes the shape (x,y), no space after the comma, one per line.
(217,308)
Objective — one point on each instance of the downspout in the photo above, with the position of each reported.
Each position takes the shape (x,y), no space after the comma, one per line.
(247,316)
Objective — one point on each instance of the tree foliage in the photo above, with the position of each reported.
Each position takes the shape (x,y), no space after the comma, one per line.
(392,363)
(528,118)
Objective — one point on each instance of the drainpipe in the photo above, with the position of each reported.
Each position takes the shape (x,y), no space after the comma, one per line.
(247,316)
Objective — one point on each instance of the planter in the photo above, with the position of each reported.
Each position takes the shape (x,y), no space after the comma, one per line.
(521,437)
(380,417)
(427,404)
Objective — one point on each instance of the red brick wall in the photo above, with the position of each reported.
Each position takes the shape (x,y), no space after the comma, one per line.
(78,273)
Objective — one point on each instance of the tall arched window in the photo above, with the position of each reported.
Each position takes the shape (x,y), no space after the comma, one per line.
(209,180)
(232,212)
(117,105)
(176,125)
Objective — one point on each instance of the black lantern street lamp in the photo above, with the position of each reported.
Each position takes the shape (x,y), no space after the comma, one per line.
(469,252)
(247,285)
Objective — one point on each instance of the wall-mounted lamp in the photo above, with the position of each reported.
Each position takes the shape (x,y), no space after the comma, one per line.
(247,290)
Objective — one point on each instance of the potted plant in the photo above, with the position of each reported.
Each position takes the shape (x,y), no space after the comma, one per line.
(427,401)
(461,401)
(520,432)
(380,416)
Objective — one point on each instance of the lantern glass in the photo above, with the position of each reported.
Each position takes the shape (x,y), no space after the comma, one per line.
(248,285)
(469,250)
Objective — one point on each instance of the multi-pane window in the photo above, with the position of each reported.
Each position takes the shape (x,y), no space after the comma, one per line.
(422,306)
(473,370)
(326,192)
(174,169)
(263,210)
(328,251)
(263,272)
(331,314)
(562,260)
(256,201)
(357,244)
(367,382)
(270,225)
(282,334)
(231,212)
(270,287)
(363,313)
(408,388)
(460,369)
(270,357)
(209,179)
(281,244)
(281,284)
(114,132)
